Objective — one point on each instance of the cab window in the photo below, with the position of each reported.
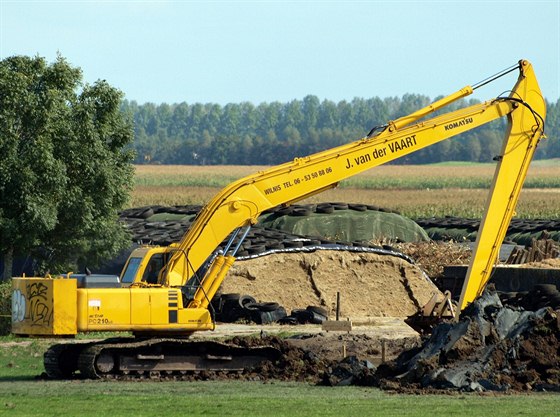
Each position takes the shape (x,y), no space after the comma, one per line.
(152,269)
(131,269)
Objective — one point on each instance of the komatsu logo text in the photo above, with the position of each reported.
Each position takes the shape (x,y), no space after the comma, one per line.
(460,123)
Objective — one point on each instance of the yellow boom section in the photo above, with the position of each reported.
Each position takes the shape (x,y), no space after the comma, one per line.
(525,129)
(240,203)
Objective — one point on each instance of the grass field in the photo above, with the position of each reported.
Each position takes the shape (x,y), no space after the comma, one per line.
(416,191)
(21,394)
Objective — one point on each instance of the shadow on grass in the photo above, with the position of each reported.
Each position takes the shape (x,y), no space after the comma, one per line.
(21,378)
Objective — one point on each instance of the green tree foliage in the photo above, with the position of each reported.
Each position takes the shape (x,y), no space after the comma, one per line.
(64,170)
(272,133)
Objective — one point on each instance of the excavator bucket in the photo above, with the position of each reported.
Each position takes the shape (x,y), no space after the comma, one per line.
(435,311)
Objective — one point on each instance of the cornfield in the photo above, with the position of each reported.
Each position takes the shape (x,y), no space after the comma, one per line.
(416,191)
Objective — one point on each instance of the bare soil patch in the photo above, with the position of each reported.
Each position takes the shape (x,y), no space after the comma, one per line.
(370,285)
(494,347)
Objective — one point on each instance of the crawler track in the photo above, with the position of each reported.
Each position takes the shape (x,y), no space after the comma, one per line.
(151,358)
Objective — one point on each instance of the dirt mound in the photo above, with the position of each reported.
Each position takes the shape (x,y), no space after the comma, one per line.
(370,285)
(433,256)
(371,347)
(492,348)
(294,363)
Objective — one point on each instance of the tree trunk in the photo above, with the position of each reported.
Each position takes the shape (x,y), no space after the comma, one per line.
(8,262)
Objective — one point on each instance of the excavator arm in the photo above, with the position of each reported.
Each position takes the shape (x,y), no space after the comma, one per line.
(239,204)
(525,128)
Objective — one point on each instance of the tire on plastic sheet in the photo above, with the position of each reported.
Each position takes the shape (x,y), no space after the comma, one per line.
(266,317)
(246,299)
(318,310)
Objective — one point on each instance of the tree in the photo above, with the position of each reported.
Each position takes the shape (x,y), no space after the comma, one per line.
(186,134)
(64,168)
(310,109)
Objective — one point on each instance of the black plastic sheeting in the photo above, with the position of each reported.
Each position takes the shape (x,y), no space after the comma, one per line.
(333,247)
(491,348)
(520,231)
(485,318)
(481,352)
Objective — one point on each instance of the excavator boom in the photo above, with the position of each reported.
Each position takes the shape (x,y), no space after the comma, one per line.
(243,201)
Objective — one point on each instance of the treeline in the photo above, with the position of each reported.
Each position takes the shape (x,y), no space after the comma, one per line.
(272,133)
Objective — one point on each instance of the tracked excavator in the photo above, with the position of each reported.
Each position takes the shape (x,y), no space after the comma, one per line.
(163,294)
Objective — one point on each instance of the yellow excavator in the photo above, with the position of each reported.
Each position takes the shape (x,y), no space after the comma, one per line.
(163,294)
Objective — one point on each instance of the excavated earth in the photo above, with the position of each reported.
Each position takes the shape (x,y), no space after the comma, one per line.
(494,347)
(370,285)
(501,343)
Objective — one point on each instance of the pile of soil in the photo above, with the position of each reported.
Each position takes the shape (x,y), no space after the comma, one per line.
(433,256)
(370,285)
(492,348)
(370,346)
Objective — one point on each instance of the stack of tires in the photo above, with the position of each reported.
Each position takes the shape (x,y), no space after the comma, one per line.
(231,308)
(265,313)
(309,315)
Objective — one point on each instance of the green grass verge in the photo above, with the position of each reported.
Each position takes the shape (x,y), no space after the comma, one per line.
(235,398)
(21,394)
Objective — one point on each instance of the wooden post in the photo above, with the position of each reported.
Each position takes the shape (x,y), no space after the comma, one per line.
(337,325)
(337,305)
